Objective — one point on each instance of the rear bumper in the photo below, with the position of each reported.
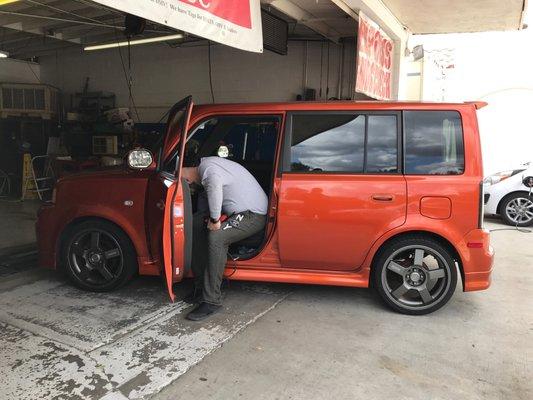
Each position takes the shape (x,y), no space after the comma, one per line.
(477,256)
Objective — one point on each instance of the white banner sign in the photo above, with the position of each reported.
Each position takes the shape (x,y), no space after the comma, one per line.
(236,23)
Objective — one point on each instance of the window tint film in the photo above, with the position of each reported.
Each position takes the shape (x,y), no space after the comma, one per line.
(433,143)
(327,143)
(382,144)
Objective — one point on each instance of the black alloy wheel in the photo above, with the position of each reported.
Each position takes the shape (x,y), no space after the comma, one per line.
(415,275)
(98,256)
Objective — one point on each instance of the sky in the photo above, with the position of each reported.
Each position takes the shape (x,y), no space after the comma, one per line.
(496,67)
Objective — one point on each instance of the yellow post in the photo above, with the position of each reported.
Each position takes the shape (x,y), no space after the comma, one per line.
(28,184)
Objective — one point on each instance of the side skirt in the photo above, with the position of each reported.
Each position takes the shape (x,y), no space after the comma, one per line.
(352,279)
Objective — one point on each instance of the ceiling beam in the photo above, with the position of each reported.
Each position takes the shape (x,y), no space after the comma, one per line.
(18,26)
(346,8)
(304,17)
(379,13)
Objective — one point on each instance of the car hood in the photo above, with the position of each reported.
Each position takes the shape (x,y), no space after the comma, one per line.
(113,173)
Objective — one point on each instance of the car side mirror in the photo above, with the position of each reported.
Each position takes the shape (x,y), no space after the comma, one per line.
(140,159)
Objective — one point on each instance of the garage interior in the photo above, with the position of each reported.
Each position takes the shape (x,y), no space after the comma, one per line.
(79,109)
(65,109)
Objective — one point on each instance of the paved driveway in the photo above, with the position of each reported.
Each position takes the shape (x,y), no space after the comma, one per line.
(293,342)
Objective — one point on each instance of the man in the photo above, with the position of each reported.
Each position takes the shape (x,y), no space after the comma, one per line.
(231,190)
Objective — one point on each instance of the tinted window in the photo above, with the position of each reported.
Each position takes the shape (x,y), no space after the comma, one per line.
(328,142)
(382,144)
(433,143)
(173,125)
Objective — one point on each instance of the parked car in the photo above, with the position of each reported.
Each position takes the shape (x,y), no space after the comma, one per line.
(360,194)
(508,194)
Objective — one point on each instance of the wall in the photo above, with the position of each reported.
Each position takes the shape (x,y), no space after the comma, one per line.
(413,81)
(162,74)
(16,71)
(494,67)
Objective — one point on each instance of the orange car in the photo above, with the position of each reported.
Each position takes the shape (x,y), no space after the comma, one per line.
(388,194)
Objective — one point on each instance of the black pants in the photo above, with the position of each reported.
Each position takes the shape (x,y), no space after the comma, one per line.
(210,249)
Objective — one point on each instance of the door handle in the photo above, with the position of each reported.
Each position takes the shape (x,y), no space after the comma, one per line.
(383,197)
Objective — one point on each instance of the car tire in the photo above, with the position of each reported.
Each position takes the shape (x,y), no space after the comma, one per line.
(514,209)
(98,256)
(414,274)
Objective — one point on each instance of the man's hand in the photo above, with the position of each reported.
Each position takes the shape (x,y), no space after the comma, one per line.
(213,226)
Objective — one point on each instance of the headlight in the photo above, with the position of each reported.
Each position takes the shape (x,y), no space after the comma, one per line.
(500,176)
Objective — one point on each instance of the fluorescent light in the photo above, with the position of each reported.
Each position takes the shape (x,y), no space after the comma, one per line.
(4,54)
(2,2)
(134,42)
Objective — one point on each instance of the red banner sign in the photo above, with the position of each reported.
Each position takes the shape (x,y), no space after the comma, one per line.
(236,11)
(374,60)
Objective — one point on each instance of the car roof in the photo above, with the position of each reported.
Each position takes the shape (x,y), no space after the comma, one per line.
(333,105)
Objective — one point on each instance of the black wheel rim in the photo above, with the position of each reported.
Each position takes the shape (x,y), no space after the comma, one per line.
(95,258)
(416,277)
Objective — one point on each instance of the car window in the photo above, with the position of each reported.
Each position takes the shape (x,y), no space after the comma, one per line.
(360,142)
(382,144)
(325,142)
(433,143)
(251,141)
(237,138)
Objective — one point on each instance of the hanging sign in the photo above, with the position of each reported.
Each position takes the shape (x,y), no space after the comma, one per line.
(235,23)
(374,60)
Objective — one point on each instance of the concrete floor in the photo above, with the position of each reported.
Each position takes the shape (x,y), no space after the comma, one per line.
(271,341)
(340,343)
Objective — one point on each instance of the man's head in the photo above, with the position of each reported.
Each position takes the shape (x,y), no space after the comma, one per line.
(191,175)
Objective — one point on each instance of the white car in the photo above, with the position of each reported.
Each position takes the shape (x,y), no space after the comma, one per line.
(509,194)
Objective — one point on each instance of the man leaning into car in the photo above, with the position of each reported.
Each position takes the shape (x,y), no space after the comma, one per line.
(231,190)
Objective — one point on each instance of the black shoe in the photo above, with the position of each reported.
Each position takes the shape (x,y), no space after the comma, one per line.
(203,311)
(194,297)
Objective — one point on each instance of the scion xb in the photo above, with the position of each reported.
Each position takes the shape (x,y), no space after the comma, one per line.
(361,194)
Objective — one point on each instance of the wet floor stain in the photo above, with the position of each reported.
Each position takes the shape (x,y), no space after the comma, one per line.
(62,343)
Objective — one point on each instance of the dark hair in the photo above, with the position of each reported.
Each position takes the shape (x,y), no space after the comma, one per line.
(191,160)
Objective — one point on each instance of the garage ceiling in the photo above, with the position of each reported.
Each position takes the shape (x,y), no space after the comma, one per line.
(321,16)
(431,16)
(32,28)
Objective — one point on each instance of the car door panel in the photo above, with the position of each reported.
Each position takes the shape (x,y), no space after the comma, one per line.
(331,221)
(167,211)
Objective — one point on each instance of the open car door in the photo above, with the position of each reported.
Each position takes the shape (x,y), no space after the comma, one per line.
(177,216)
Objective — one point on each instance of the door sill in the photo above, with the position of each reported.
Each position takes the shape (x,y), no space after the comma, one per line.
(335,278)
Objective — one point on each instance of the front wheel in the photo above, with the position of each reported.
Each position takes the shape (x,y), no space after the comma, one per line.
(98,256)
(415,275)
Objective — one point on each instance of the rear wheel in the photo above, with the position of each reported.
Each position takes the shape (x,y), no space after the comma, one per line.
(98,256)
(517,209)
(415,275)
